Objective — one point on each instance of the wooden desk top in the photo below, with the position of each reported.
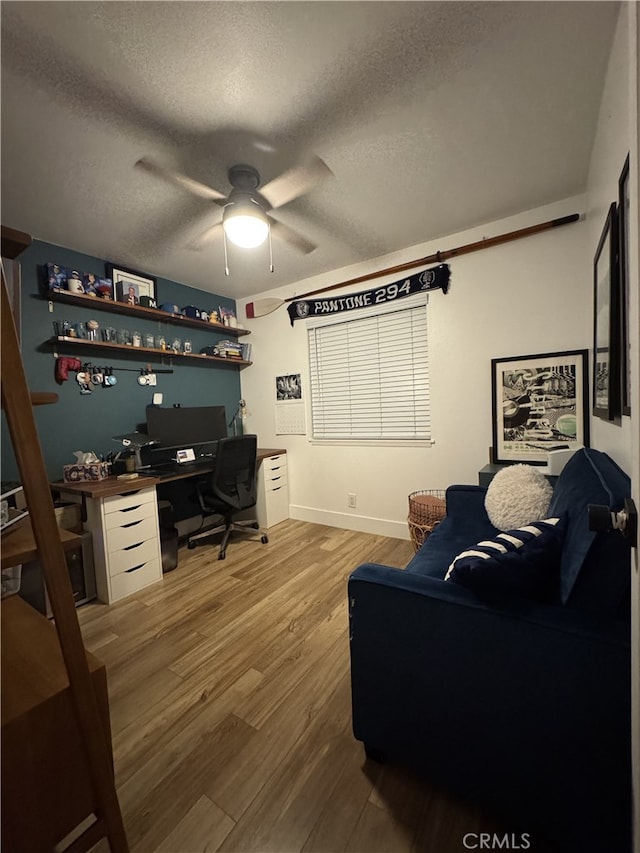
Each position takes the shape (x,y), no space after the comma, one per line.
(113,486)
(18,544)
(105,488)
(266,452)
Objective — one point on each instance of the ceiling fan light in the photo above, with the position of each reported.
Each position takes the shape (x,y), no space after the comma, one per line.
(247,228)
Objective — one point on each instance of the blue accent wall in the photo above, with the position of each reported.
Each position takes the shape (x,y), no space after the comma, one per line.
(89,422)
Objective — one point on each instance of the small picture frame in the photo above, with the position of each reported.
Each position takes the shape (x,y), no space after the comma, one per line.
(539,403)
(130,286)
(606,321)
(56,277)
(624,214)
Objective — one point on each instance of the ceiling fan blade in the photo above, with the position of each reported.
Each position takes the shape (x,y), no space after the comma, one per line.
(173,177)
(290,236)
(200,242)
(295,182)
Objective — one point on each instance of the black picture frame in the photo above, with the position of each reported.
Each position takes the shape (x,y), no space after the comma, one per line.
(606,327)
(540,403)
(130,285)
(624,209)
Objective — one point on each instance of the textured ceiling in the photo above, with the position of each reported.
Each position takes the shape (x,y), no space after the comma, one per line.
(433,117)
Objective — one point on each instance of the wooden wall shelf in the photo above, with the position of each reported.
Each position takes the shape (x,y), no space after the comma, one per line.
(95,303)
(149,353)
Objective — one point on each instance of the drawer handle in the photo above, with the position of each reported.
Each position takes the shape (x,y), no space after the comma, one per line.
(131,547)
(126,494)
(131,524)
(135,568)
(277,489)
(275,479)
(131,508)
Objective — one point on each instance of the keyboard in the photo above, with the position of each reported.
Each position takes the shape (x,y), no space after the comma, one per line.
(174,468)
(167,471)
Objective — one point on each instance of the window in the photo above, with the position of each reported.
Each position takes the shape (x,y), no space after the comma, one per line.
(369,376)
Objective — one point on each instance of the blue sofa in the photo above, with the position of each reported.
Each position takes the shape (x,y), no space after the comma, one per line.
(519,705)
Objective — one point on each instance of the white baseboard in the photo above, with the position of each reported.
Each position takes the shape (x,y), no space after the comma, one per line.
(348,521)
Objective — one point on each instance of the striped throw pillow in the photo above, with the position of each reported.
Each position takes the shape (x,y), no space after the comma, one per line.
(523,562)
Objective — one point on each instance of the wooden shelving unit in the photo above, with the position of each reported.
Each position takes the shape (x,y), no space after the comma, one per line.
(57,766)
(19,546)
(95,303)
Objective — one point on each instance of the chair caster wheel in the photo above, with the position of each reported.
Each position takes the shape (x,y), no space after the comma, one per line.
(191,545)
(264,539)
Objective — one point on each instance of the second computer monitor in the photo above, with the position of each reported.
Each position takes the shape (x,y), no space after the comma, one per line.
(186,426)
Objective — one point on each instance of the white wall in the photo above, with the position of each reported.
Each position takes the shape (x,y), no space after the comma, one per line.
(634,113)
(611,144)
(529,296)
(618,132)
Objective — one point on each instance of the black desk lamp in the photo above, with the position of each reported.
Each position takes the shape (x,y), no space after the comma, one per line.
(239,417)
(135,440)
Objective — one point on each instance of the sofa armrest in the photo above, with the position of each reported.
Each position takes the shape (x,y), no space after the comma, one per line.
(509,706)
(547,617)
(464,501)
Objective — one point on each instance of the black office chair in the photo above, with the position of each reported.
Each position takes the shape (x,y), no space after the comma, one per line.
(231,489)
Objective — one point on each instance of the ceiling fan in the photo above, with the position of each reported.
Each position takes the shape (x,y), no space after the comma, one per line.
(245,220)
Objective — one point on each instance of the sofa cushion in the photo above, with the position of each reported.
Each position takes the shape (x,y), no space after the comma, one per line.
(589,477)
(517,495)
(524,562)
(455,532)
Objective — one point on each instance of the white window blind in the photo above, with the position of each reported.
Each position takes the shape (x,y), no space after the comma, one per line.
(369,376)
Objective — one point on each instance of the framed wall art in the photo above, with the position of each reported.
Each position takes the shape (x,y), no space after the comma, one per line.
(131,287)
(539,403)
(606,328)
(625,286)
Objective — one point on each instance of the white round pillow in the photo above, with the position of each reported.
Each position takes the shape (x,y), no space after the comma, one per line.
(517,495)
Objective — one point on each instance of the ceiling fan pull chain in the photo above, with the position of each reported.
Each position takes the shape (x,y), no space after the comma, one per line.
(226,258)
(270,251)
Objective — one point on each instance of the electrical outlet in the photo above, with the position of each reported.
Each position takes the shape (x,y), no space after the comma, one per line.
(351,500)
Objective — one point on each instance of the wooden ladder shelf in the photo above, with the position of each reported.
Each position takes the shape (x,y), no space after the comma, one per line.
(93,737)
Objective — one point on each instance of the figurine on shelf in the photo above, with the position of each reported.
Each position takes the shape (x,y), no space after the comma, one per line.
(92,329)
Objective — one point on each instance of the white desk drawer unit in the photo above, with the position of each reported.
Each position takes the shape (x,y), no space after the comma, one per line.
(126,542)
(273,491)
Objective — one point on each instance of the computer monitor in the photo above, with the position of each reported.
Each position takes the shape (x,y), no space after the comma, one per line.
(186,426)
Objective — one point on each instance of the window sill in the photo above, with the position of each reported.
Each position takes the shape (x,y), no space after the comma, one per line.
(373,442)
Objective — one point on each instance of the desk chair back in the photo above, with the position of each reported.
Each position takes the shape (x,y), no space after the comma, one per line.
(231,489)
(233,480)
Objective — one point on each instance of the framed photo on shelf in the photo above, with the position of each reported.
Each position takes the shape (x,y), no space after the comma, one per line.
(624,203)
(606,326)
(131,287)
(539,403)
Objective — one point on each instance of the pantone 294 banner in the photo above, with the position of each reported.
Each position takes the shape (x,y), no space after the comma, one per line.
(436,278)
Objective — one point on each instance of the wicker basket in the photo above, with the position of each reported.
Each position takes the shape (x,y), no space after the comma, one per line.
(426,510)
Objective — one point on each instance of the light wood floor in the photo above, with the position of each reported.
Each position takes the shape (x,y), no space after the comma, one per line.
(230,708)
